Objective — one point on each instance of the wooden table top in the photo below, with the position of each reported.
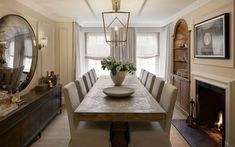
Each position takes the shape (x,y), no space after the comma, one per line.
(141,106)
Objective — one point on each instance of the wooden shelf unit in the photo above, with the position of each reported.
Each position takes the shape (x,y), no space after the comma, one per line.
(181,65)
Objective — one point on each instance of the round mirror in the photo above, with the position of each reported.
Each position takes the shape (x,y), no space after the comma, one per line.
(18,53)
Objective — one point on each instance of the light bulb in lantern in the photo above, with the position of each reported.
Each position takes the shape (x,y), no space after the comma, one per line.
(116,28)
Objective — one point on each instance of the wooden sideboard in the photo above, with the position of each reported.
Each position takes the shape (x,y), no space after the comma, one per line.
(22,126)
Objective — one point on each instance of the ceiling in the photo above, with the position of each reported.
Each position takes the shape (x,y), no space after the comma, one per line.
(88,12)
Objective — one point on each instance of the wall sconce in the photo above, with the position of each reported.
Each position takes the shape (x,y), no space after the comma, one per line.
(42,43)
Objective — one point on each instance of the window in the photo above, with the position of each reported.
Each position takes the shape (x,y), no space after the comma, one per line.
(96,50)
(28,55)
(147,52)
(10,60)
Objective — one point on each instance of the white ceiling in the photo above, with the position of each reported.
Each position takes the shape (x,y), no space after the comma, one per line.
(88,12)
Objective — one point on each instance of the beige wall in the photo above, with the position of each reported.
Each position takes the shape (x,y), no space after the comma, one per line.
(41,26)
(217,67)
(64,46)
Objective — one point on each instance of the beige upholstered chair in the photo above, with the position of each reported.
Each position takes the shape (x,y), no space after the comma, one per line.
(91,77)
(87,81)
(141,74)
(157,88)
(83,134)
(149,82)
(94,74)
(155,133)
(81,88)
(144,78)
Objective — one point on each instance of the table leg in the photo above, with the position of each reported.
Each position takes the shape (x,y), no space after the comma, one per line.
(119,134)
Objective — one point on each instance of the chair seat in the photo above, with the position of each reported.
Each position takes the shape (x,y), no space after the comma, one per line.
(90,134)
(148,134)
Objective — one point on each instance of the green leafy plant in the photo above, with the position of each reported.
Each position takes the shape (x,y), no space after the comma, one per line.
(116,66)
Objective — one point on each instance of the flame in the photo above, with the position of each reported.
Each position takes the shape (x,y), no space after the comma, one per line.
(220,122)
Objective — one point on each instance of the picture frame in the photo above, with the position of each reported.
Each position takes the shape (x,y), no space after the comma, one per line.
(212,38)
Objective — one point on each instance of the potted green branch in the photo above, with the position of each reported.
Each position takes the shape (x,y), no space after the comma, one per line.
(118,69)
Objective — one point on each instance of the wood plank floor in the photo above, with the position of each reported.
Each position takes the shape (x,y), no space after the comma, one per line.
(56,134)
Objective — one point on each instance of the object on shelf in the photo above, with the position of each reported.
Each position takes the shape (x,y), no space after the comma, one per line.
(182,73)
(183,58)
(183,45)
(51,79)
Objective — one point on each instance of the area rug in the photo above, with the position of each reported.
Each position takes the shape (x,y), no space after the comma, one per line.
(194,137)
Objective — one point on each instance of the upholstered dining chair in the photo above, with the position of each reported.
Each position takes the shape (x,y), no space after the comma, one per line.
(87,81)
(91,77)
(157,132)
(157,88)
(149,82)
(94,74)
(144,77)
(81,88)
(83,133)
(141,74)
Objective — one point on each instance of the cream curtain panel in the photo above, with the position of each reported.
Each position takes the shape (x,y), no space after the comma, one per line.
(76,52)
(168,55)
(127,52)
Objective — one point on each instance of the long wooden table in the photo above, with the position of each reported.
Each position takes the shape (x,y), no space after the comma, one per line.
(141,106)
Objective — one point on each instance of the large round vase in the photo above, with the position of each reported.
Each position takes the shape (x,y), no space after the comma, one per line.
(118,78)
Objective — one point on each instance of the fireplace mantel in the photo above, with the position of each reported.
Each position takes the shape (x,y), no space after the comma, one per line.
(229,85)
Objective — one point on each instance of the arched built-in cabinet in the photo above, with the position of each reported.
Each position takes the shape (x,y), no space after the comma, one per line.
(181,65)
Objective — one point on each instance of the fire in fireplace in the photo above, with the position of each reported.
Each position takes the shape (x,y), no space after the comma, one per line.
(219,123)
(210,110)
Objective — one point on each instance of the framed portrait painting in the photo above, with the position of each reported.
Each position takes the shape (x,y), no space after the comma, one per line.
(212,38)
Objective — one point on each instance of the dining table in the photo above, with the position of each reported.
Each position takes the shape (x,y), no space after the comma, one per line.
(140,106)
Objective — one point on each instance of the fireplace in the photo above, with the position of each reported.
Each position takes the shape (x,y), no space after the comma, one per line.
(210,111)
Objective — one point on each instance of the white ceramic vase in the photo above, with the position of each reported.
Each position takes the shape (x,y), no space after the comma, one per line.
(118,78)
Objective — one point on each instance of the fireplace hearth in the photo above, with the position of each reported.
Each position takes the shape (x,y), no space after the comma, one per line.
(210,111)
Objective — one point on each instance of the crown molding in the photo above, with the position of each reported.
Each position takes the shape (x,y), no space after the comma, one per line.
(37,8)
(65,19)
(195,5)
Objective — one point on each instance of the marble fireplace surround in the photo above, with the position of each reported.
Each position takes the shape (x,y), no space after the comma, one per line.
(229,85)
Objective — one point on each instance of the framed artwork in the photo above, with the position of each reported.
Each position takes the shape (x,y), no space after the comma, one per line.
(212,38)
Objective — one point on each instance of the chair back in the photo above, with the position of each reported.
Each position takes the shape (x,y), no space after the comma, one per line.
(167,101)
(71,103)
(149,82)
(94,74)
(91,77)
(141,74)
(81,88)
(87,81)
(157,88)
(144,78)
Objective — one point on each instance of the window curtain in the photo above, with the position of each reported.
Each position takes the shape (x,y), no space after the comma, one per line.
(127,52)
(96,47)
(76,52)
(147,46)
(168,55)
(18,52)
(28,54)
